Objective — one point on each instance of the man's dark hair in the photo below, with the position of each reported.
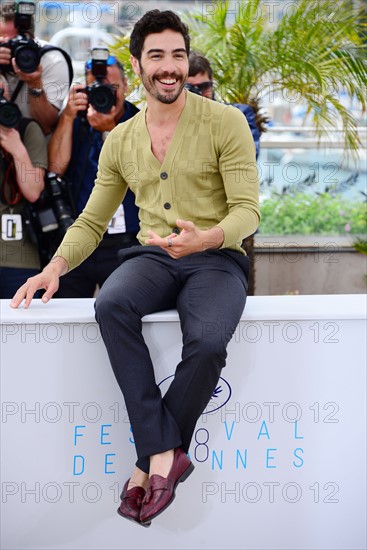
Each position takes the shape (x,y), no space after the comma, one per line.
(198,63)
(156,21)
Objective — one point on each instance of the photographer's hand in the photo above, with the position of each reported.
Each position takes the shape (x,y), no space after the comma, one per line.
(48,279)
(77,101)
(10,141)
(30,179)
(5,54)
(34,80)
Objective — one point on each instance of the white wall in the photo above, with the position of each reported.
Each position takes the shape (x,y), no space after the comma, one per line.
(293,397)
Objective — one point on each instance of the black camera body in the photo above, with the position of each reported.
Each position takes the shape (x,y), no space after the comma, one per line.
(25,50)
(50,216)
(56,207)
(101,96)
(59,192)
(10,114)
(54,210)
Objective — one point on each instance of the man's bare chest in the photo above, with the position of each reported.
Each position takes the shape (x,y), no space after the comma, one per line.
(161,140)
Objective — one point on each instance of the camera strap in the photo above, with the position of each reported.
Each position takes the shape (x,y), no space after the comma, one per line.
(16,91)
(49,48)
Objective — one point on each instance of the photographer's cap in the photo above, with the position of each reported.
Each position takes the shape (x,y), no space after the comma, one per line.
(110,61)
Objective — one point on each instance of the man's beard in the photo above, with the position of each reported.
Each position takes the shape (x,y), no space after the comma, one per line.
(151,88)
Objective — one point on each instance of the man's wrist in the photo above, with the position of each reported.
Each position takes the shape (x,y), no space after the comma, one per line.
(35,87)
(213,238)
(67,117)
(35,92)
(57,265)
(35,80)
(21,153)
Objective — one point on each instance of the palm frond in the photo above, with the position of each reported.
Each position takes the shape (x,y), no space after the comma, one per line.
(316,51)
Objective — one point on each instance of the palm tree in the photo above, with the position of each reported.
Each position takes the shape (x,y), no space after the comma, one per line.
(316,50)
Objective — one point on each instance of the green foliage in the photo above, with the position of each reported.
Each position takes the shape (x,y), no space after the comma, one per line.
(120,49)
(307,214)
(316,50)
(360,245)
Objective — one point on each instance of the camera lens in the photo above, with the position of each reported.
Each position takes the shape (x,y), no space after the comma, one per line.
(27,58)
(63,214)
(54,187)
(9,115)
(102,97)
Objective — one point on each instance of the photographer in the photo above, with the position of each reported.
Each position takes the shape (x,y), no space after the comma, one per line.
(41,92)
(22,168)
(74,152)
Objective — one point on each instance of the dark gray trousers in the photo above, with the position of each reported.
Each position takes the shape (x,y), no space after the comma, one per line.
(209,291)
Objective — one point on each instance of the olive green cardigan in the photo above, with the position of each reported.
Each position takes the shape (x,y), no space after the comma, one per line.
(209,176)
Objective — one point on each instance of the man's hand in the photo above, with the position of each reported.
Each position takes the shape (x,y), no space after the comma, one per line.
(5,54)
(10,140)
(48,279)
(190,240)
(77,101)
(34,80)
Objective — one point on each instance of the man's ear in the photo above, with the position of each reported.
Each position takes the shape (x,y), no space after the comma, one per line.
(135,65)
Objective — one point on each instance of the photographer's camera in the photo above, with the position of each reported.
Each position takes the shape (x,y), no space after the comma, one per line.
(52,215)
(54,209)
(10,114)
(101,95)
(25,50)
(58,189)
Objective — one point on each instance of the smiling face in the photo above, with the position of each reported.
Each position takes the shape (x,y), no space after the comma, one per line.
(163,67)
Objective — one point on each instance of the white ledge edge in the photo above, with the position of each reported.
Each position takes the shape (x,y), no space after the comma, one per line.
(258,308)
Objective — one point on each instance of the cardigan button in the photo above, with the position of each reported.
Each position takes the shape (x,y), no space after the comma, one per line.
(176,230)
(164,175)
(167,205)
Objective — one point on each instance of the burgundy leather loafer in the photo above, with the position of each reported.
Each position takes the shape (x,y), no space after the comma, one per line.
(131,502)
(161,490)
